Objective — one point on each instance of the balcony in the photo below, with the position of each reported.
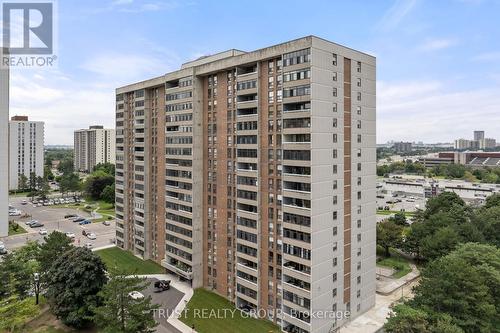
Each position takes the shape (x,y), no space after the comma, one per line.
(178,267)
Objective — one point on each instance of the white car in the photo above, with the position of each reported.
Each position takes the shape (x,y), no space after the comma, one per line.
(91,235)
(42,231)
(88,245)
(70,235)
(135,295)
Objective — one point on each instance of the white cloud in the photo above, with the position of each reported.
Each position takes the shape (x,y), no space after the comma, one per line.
(426,111)
(437,44)
(396,13)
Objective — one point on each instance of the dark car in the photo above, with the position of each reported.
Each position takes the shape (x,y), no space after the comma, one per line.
(69,216)
(36,225)
(84,222)
(161,285)
(79,219)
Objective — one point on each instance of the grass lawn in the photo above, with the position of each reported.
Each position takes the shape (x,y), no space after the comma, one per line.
(204,301)
(115,257)
(390,212)
(401,265)
(17,231)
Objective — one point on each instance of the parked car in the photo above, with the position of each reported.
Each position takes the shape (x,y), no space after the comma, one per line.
(30,222)
(88,245)
(70,216)
(135,295)
(84,222)
(42,231)
(24,202)
(36,225)
(106,223)
(79,219)
(3,250)
(91,235)
(161,285)
(70,235)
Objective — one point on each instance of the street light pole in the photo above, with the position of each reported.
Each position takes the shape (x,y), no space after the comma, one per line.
(36,277)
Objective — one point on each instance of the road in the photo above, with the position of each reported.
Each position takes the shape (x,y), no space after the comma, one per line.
(53,219)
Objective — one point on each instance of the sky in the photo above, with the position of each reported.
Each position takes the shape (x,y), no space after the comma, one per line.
(438,62)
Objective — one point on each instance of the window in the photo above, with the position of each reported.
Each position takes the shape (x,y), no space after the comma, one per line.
(270,96)
(334,232)
(359,237)
(334,122)
(359,195)
(358,82)
(296,57)
(358,67)
(359,152)
(358,252)
(358,124)
(334,138)
(334,292)
(335,185)
(359,181)
(358,96)
(359,166)
(334,262)
(358,295)
(334,92)
(335,169)
(334,247)
(297,91)
(358,223)
(358,279)
(334,109)
(334,62)
(297,75)
(334,277)
(270,66)
(358,266)
(334,76)
(335,199)
(358,110)
(359,138)
(335,215)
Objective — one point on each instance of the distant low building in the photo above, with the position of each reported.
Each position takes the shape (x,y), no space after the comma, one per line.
(476,159)
(487,143)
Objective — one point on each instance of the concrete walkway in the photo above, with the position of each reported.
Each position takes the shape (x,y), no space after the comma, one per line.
(386,286)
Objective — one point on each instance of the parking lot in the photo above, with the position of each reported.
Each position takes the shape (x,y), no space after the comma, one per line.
(53,219)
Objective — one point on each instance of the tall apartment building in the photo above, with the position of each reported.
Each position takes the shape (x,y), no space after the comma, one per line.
(403,147)
(93,146)
(4,150)
(26,150)
(478,135)
(253,174)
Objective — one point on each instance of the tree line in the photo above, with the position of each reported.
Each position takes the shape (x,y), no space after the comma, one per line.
(76,286)
(458,246)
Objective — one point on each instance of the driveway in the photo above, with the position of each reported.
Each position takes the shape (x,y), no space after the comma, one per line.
(168,301)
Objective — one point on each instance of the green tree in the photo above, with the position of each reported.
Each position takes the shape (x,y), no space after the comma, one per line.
(487,221)
(121,313)
(55,245)
(413,240)
(389,235)
(47,173)
(108,194)
(17,269)
(70,182)
(42,187)
(492,201)
(73,282)
(96,182)
(440,243)
(399,218)
(443,203)
(23,182)
(464,285)
(405,319)
(66,165)
(108,168)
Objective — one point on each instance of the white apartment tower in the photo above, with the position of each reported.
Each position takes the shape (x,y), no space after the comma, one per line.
(4,150)
(252,174)
(26,150)
(93,146)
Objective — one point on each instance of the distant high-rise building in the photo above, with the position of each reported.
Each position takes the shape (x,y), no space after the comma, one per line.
(4,149)
(461,144)
(26,150)
(478,135)
(253,174)
(402,147)
(93,146)
(487,143)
